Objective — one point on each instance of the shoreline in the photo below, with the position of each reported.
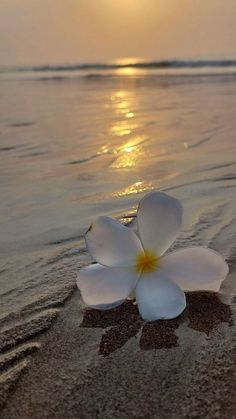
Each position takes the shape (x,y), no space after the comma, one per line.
(94,364)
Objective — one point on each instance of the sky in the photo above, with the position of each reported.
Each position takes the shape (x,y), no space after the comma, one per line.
(77,31)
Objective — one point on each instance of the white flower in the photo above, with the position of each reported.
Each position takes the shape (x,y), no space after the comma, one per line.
(127,263)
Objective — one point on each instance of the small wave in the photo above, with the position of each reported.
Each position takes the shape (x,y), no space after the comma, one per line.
(12,147)
(21,124)
(53,78)
(113,66)
(94,156)
(218,166)
(65,240)
(226,177)
(198,143)
(200,181)
(97,76)
(36,154)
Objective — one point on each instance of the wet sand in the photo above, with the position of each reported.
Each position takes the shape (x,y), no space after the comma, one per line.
(63,163)
(59,171)
(94,364)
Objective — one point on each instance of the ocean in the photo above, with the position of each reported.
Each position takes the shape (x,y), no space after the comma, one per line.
(79,141)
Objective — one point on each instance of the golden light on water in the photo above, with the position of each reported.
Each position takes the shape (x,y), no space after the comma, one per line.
(127,68)
(104,149)
(128,158)
(131,152)
(126,144)
(130,148)
(135,188)
(121,105)
(128,154)
(129,71)
(123,128)
(120,94)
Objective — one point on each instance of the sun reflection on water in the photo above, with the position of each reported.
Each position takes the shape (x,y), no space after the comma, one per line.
(128,159)
(123,128)
(135,188)
(129,115)
(104,149)
(120,103)
(129,71)
(128,153)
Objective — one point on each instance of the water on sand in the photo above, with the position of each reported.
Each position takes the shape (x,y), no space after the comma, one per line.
(75,147)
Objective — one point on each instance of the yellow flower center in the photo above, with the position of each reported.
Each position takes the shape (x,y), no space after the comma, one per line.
(146,262)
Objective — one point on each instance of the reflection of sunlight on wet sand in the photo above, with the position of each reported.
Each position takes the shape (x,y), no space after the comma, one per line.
(141,186)
(123,128)
(121,105)
(131,151)
(127,146)
(137,187)
(128,154)
(128,159)
(131,144)
(104,149)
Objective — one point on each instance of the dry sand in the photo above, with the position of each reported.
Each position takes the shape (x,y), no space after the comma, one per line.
(94,364)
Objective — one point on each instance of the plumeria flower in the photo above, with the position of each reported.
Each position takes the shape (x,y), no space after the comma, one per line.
(128,263)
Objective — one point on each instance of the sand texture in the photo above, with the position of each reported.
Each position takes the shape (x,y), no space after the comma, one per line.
(75,147)
(94,364)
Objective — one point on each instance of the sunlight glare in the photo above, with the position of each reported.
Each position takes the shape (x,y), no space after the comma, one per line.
(135,188)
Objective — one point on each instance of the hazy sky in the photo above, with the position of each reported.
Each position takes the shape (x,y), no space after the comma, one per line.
(59,31)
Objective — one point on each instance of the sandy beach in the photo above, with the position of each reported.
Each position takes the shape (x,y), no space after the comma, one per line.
(59,171)
(102,103)
(93,364)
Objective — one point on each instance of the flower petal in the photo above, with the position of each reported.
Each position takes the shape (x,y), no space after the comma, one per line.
(104,288)
(111,243)
(159,221)
(158,297)
(195,268)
